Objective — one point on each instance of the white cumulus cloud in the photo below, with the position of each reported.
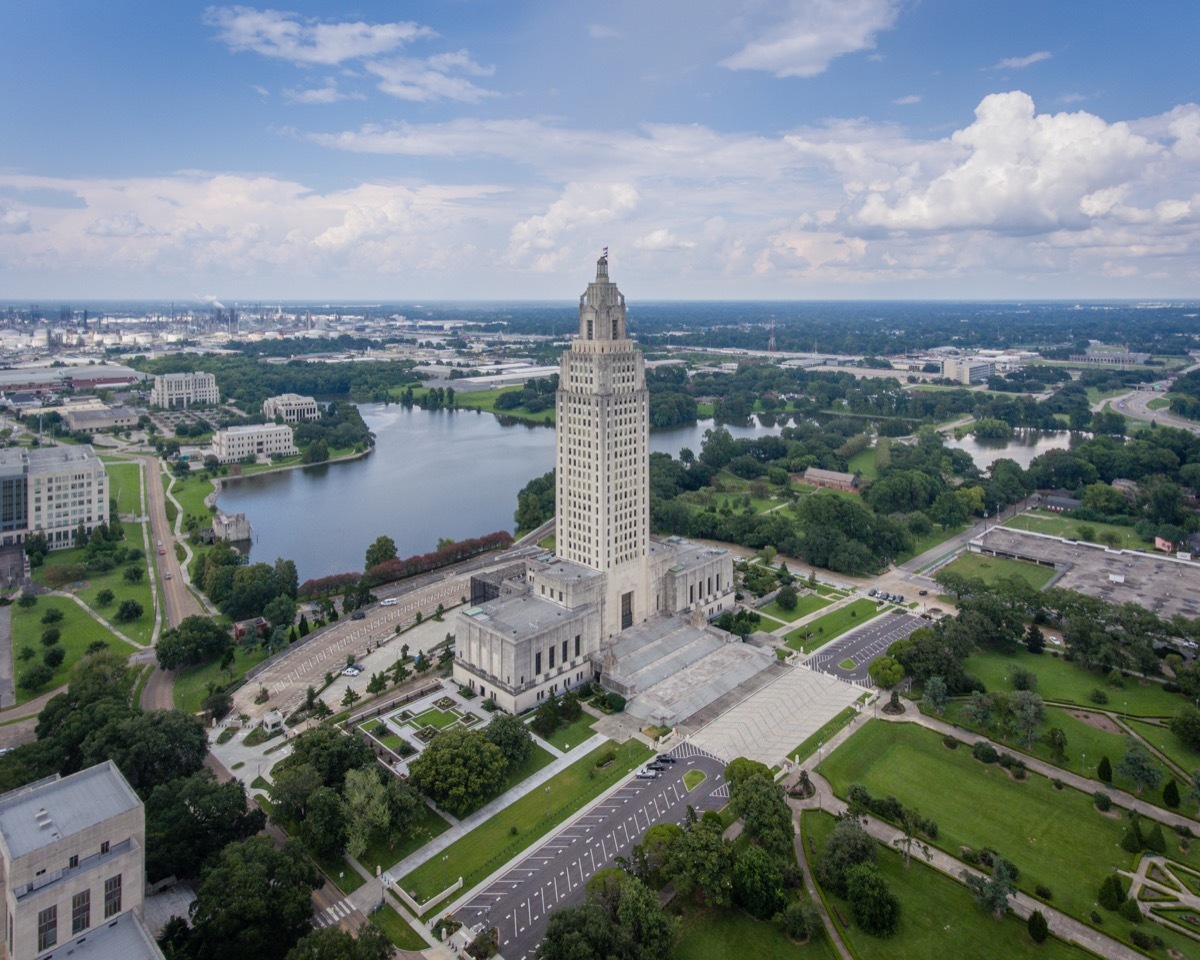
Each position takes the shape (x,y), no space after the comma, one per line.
(287,36)
(440,77)
(813,33)
(14,221)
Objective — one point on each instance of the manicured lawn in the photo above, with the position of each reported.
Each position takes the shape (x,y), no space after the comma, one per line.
(977,566)
(938,915)
(710,933)
(863,462)
(397,929)
(847,664)
(191,493)
(537,759)
(809,603)
(492,843)
(76,631)
(387,850)
(573,733)
(1059,679)
(433,717)
(693,778)
(191,683)
(929,541)
(1125,537)
(1055,837)
(832,625)
(485,400)
(52,573)
(1168,743)
(809,746)
(125,485)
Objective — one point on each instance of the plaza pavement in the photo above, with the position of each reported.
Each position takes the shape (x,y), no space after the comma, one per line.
(778,718)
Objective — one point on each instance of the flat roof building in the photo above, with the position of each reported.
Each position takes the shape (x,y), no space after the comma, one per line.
(234,444)
(291,407)
(72,852)
(51,490)
(182,390)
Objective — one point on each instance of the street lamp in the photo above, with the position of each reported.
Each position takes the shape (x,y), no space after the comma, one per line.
(1083,765)
(445,857)
(547,803)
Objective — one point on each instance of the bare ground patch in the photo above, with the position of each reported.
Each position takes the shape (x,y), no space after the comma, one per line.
(1098,720)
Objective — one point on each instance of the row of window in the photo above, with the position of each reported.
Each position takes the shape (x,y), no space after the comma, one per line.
(81,914)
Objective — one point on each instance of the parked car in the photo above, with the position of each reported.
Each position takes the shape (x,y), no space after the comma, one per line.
(358,615)
(923,593)
(389,602)
(655,766)
(647,775)
(872,592)
(666,758)
(350,672)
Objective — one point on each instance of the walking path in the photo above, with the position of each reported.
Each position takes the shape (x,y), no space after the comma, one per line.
(1120,797)
(1062,926)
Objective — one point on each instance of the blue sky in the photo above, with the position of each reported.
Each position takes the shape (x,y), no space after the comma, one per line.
(471,149)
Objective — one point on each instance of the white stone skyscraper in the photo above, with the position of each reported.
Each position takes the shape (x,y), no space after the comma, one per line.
(603,451)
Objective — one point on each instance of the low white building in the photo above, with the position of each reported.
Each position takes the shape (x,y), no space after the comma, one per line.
(234,444)
(968,369)
(291,407)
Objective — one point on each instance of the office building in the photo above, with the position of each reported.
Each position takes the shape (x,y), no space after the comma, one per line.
(234,444)
(181,390)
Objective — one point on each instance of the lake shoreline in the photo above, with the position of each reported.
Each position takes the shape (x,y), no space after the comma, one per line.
(219,482)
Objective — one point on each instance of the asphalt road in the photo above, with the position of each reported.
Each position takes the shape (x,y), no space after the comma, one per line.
(555,875)
(863,645)
(1135,405)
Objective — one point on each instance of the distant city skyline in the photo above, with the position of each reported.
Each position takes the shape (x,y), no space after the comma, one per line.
(466,150)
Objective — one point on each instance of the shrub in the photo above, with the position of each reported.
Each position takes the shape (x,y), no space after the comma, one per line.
(1104,770)
(54,656)
(606,758)
(801,920)
(1129,910)
(1058,784)
(949,742)
(1170,794)
(35,677)
(1183,830)
(26,653)
(1038,929)
(27,600)
(614,702)
(984,752)
(1102,800)
(1115,678)
(1131,842)
(51,636)
(1154,839)
(1145,941)
(1112,892)
(1098,696)
(1096,918)
(1043,892)
(969,856)
(53,615)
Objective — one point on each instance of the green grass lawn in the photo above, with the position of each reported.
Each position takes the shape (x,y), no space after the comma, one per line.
(53,571)
(485,400)
(573,733)
(693,778)
(77,630)
(433,717)
(929,541)
(191,493)
(191,683)
(977,566)
(1095,394)
(125,485)
(1059,679)
(383,851)
(938,915)
(832,625)
(492,843)
(1055,838)
(863,462)
(397,929)
(1168,743)
(1123,537)
(810,745)
(711,933)
(809,603)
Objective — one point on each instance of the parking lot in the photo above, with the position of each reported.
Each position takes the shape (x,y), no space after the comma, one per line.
(555,875)
(862,646)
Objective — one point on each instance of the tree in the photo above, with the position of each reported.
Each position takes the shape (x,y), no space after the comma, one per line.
(35,677)
(786,598)
(280,611)
(377,684)
(350,697)
(762,805)
(324,829)
(195,640)
(935,694)
(1037,926)
(701,863)
(151,747)
(382,550)
(334,943)
(885,672)
(1138,766)
(291,789)
(459,770)
(1056,740)
(992,893)
(190,820)
(873,906)
(133,574)
(53,657)
(847,846)
(758,882)
(1171,794)
(331,753)
(622,919)
(104,597)
(510,734)
(802,920)
(547,719)
(1027,711)
(127,611)
(366,809)
(1186,725)
(1104,770)
(1035,640)
(255,901)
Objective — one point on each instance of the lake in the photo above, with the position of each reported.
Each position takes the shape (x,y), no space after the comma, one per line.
(433,473)
(1023,447)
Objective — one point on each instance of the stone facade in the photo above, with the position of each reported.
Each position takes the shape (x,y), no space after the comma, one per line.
(291,407)
(181,390)
(270,440)
(53,491)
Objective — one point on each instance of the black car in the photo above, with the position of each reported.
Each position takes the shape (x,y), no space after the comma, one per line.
(655,766)
(923,593)
(663,758)
(358,615)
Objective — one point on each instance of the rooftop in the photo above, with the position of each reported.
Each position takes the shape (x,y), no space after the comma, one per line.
(523,615)
(44,812)
(122,938)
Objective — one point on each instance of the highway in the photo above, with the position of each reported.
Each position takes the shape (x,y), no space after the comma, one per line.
(1136,405)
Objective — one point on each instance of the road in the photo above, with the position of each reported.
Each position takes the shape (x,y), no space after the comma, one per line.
(555,875)
(1136,405)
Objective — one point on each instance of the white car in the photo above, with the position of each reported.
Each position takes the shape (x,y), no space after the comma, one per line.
(350,672)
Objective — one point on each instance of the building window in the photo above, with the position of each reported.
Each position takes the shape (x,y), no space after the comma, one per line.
(577,645)
(104,848)
(112,896)
(81,912)
(551,651)
(47,928)
(564,652)
(73,862)
(537,664)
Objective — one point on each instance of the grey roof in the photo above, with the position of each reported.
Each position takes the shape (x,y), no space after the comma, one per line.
(43,813)
(46,457)
(121,939)
(524,616)
(821,474)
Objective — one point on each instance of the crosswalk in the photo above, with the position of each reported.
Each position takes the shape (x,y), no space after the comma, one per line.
(333,915)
